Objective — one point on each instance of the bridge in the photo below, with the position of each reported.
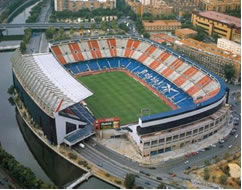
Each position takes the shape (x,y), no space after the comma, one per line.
(44,26)
(84,177)
(9,47)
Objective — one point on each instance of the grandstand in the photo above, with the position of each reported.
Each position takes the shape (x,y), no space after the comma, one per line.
(193,93)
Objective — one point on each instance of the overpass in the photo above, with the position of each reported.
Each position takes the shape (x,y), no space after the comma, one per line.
(84,177)
(10,47)
(44,26)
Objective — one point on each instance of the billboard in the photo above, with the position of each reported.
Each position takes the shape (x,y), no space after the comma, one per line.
(107,123)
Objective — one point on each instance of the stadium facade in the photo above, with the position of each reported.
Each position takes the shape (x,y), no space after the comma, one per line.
(55,100)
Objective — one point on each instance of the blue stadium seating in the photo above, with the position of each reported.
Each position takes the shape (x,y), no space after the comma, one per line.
(164,86)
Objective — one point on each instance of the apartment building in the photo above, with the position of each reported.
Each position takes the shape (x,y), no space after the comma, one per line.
(161,25)
(76,5)
(154,7)
(210,56)
(229,45)
(220,6)
(185,33)
(217,23)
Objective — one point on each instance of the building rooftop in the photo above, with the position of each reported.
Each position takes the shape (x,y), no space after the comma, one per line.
(222,18)
(209,48)
(162,22)
(162,38)
(186,31)
(50,85)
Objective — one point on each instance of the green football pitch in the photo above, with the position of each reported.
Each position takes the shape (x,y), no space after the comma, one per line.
(118,95)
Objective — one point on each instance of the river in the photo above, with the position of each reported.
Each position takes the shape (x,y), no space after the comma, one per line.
(17,139)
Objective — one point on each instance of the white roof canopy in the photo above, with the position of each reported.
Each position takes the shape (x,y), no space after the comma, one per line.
(47,82)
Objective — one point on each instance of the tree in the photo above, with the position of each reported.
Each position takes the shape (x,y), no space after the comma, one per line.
(50,32)
(161,186)
(229,71)
(223,179)
(129,181)
(206,174)
(226,170)
(22,47)
(206,162)
(214,178)
(147,35)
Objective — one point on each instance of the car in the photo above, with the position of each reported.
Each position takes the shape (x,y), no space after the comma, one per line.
(152,168)
(230,146)
(137,176)
(147,183)
(186,162)
(159,178)
(172,174)
(202,150)
(207,148)
(213,145)
(221,146)
(236,136)
(100,165)
(82,145)
(194,153)
(187,155)
(221,141)
(188,168)
(94,144)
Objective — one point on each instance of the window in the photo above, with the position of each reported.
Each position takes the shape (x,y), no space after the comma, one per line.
(206,127)
(161,141)
(147,144)
(182,135)
(168,149)
(153,142)
(70,127)
(195,131)
(168,139)
(175,137)
(189,133)
(200,129)
(160,151)
(81,126)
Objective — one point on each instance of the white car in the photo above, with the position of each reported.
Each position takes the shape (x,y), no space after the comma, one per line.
(236,136)
(221,141)
(186,162)
(230,146)
(213,145)
(82,145)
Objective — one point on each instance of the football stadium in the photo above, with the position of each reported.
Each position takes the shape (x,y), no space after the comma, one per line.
(163,100)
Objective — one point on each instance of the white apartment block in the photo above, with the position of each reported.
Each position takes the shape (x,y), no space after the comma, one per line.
(229,46)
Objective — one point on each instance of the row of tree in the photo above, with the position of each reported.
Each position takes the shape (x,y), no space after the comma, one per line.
(29,3)
(23,175)
(150,17)
(35,12)
(27,36)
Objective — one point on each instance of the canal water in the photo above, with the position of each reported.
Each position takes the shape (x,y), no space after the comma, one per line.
(18,140)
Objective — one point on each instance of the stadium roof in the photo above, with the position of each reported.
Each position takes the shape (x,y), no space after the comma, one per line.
(50,85)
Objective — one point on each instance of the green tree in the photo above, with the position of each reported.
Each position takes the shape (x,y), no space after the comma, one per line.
(206,174)
(206,162)
(214,178)
(223,179)
(161,186)
(129,181)
(147,35)
(50,32)
(226,170)
(22,47)
(229,71)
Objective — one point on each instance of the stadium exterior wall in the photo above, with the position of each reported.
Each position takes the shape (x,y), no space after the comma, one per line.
(42,119)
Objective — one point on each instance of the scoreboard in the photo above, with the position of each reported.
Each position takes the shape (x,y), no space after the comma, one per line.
(107,123)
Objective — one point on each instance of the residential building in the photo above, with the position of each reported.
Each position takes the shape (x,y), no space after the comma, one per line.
(154,7)
(217,23)
(185,33)
(161,25)
(229,45)
(210,56)
(220,6)
(76,5)
(180,6)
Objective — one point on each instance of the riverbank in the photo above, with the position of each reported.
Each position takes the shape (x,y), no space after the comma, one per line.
(65,152)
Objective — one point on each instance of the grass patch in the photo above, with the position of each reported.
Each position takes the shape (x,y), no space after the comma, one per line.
(118,95)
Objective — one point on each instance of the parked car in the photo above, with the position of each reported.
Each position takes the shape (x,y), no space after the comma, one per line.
(187,155)
(230,146)
(221,141)
(82,145)
(213,145)
(186,162)
(188,168)
(159,178)
(236,136)
(194,153)
(172,174)
(221,146)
